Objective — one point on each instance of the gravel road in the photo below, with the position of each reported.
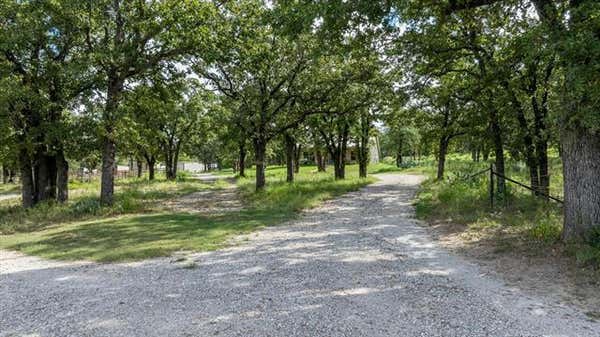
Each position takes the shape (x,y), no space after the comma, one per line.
(359,265)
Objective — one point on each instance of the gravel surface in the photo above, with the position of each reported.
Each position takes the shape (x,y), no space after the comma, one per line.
(357,266)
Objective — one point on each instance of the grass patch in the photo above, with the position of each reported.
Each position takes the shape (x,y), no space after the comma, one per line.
(519,220)
(140,236)
(6,189)
(131,196)
(521,223)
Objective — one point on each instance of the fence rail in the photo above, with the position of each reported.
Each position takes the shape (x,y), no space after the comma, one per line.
(492,172)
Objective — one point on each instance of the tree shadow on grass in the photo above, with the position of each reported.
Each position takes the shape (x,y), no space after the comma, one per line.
(152,235)
(138,237)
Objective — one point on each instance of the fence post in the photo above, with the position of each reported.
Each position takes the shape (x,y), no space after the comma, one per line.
(492,185)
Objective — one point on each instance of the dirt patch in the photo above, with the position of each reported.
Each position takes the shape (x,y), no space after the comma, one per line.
(216,201)
(541,269)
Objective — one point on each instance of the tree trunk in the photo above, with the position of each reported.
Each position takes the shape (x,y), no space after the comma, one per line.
(542,160)
(107,186)
(260,149)
(581,171)
(339,165)
(169,158)
(151,162)
(526,134)
(443,150)
(339,162)
(176,160)
(290,146)
(399,150)
(5,174)
(109,148)
(297,155)
(62,177)
(399,155)
(362,168)
(498,151)
(45,177)
(140,167)
(28,196)
(363,144)
(363,157)
(320,160)
(242,159)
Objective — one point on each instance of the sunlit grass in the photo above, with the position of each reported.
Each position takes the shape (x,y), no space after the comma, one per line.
(9,189)
(140,236)
(467,201)
(131,196)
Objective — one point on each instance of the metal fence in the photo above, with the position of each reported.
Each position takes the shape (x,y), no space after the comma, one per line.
(493,175)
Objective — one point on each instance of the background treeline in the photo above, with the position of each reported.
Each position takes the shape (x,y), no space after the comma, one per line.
(245,83)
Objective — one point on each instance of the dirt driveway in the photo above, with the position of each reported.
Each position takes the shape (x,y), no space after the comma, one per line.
(359,265)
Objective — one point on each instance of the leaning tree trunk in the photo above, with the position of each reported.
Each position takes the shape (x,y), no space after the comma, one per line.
(443,150)
(289,156)
(581,171)
(62,177)
(260,150)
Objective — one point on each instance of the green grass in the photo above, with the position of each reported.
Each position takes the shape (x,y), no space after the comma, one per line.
(520,219)
(140,236)
(9,189)
(131,196)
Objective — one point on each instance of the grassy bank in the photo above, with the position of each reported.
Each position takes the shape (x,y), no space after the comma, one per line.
(131,196)
(517,222)
(139,236)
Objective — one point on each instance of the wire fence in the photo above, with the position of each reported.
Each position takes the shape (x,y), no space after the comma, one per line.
(493,175)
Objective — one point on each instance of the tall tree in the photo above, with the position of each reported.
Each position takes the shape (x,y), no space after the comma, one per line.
(130,39)
(572,30)
(44,68)
(261,69)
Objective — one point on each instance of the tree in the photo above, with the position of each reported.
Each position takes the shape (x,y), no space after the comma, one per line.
(572,30)
(131,39)
(44,69)
(261,71)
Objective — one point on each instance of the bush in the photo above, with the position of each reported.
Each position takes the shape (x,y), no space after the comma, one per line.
(389,160)
(587,255)
(546,230)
